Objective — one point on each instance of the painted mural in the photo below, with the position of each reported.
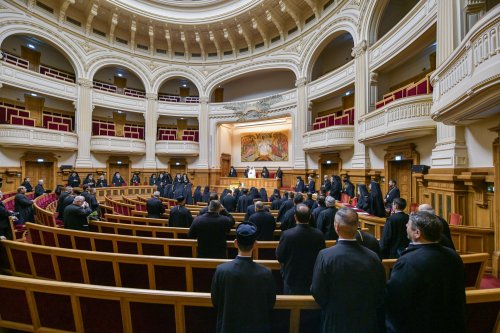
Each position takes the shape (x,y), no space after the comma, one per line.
(271,146)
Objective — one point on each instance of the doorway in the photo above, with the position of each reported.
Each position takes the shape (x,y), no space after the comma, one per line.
(225,164)
(401,172)
(40,170)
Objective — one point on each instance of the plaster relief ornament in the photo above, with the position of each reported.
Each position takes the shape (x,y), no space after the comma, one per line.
(257,110)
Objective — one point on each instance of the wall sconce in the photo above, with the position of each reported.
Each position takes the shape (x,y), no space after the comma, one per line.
(490,189)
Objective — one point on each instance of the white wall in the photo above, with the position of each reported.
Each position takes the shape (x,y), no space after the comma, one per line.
(479,142)
(16,94)
(172,87)
(100,112)
(10,157)
(335,54)
(107,75)
(258,84)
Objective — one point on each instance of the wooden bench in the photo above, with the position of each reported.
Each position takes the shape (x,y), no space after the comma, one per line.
(61,306)
(91,241)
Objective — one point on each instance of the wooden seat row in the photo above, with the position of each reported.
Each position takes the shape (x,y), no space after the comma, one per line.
(91,241)
(150,272)
(52,306)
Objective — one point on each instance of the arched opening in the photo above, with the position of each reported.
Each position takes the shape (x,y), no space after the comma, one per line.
(33,53)
(393,12)
(177,129)
(335,52)
(334,109)
(119,80)
(179,89)
(254,85)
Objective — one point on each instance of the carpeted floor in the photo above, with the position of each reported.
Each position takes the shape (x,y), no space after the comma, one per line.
(489,282)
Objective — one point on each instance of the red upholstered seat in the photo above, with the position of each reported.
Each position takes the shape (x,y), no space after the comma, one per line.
(455,219)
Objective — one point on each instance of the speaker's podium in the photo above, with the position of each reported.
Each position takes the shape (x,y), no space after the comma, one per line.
(268,183)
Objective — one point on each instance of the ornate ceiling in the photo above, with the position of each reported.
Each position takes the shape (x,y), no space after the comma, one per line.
(192,29)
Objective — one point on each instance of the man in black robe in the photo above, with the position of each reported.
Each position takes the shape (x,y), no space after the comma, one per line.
(89,195)
(348,187)
(242,202)
(223,211)
(229,202)
(155,206)
(426,291)
(24,206)
(210,229)
(101,182)
(180,216)
(297,252)
(264,221)
(445,239)
(60,209)
(288,221)
(299,186)
(311,185)
(326,218)
(321,206)
(26,183)
(75,215)
(392,194)
(327,184)
(285,206)
(276,204)
(394,238)
(348,281)
(243,292)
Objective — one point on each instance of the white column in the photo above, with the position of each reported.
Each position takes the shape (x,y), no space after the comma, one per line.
(360,159)
(450,150)
(151,120)
(300,123)
(204,134)
(373,91)
(83,119)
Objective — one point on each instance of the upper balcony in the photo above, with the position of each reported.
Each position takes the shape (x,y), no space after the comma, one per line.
(117,145)
(178,109)
(328,138)
(109,96)
(466,85)
(416,23)
(399,120)
(36,137)
(14,71)
(332,81)
(177,148)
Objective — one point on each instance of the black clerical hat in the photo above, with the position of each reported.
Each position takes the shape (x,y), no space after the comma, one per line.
(180,198)
(246,233)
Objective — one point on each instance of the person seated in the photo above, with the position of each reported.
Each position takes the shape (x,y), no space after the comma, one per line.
(363,197)
(136,180)
(26,183)
(74,179)
(252,173)
(152,180)
(23,205)
(5,229)
(39,189)
(89,180)
(118,180)
(101,182)
(232,172)
(246,172)
(75,215)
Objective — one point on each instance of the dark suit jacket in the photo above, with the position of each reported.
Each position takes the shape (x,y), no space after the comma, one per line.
(285,206)
(24,207)
(223,212)
(91,200)
(311,187)
(349,189)
(266,224)
(229,202)
(28,186)
(327,185)
(394,238)
(390,196)
(369,241)
(75,217)
(242,204)
(325,223)
(180,217)
(288,221)
(297,252)
(243,294)
(39,190)
(102,183)
(426,291)
(210,229)
(349,284)
(68,200)
(300,187)
(155,208)
(60,201)
(316,212)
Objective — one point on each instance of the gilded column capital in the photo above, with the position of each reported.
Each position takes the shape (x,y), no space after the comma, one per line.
(359,49)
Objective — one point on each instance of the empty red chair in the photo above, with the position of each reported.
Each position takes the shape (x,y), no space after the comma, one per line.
(455,219)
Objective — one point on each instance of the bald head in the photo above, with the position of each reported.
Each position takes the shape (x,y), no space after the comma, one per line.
(346,222)
(302,213)
(426,208)
(259,206)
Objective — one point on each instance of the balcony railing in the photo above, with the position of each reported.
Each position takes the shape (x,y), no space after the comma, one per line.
(177,148)
(467,83)
(118,145)
(36,137)
(334,137)
(400,120)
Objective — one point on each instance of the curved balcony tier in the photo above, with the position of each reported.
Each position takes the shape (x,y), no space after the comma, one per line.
(35,137)
(400,120)
(466,85)
(334,137)
(117,145)
(177,148)
(118,101)
(332,81)
(178,109)
(32,81)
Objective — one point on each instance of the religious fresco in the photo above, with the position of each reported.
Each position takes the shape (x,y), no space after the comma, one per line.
(271,146)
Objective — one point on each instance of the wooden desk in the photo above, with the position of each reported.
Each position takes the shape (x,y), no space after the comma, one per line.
(268,183)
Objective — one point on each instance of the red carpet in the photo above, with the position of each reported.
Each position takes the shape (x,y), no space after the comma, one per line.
(489,282)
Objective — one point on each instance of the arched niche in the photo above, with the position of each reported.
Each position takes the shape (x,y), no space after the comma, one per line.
(254,84)
(119,76)
(39,52)
(178,86)
(386,15)
(333,53)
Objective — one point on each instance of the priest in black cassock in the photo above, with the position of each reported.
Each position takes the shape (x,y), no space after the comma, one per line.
(243,292)
(348,281)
